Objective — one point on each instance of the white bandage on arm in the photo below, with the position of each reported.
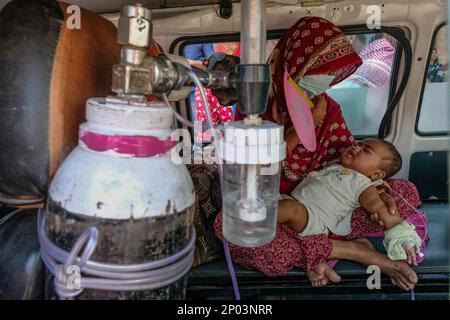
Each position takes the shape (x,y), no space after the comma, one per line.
(402,235)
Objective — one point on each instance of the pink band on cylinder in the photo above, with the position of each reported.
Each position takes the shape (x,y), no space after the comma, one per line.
(137,146)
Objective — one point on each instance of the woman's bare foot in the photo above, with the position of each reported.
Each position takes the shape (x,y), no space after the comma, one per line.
(322,274)
(400,273)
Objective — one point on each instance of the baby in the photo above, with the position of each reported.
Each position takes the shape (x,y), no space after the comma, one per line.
(325,199)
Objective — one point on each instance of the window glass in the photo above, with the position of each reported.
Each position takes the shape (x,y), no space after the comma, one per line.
(363,97)
(433,113)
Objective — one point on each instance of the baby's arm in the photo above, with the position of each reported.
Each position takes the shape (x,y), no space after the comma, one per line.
(403,236)
(371,201)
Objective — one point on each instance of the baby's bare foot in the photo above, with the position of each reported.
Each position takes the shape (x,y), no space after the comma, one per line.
(322,274)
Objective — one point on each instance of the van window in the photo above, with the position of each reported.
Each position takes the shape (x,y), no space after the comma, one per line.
(433,112)
(363,97)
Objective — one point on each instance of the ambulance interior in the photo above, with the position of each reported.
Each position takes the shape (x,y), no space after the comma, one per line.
(411,110)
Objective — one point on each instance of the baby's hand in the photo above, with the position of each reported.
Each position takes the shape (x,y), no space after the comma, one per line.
(411,252)
(402,243)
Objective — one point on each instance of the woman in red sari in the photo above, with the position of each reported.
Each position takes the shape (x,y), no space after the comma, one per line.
(314,46)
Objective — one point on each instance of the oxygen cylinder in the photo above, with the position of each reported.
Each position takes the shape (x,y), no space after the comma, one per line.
(121,179)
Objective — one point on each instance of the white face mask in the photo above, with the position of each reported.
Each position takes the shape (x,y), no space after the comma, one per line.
(315,85)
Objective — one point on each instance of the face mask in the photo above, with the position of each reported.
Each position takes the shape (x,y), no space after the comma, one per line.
(315,85)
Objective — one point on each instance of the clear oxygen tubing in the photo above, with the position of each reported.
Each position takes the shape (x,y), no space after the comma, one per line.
(10,215)
(412,207)
(219,162)
(20,202)
(146,276)
(210,122)
(178,116)
(106,276)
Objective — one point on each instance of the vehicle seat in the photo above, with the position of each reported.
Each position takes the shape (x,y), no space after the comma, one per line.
(213,280)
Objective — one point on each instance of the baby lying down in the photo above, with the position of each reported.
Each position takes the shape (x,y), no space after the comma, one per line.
(325,199)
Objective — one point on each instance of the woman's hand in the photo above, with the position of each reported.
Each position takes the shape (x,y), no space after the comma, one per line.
(291,139)
(388,200)
(319,110)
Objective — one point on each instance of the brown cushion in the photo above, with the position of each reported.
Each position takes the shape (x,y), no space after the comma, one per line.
(47,72)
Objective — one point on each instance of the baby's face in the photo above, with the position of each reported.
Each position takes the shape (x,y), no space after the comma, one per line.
(365,156)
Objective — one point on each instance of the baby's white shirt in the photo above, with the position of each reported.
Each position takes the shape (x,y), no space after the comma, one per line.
(332,194)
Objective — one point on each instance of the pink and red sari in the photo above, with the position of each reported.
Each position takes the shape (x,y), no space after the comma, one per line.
(315,46)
